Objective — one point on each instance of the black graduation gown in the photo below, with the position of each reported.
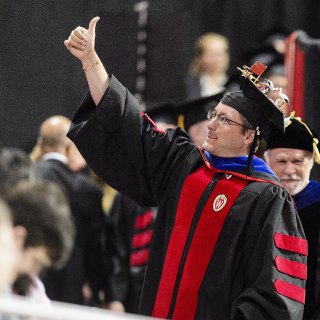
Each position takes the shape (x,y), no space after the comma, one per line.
(131,230)
(224,247)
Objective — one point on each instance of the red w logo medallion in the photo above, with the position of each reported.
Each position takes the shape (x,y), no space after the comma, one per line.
(219,202)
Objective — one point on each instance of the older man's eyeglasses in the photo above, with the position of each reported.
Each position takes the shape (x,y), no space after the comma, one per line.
(222,120)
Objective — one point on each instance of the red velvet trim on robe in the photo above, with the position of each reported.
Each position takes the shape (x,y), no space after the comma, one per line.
(143,220)
(141,239)
(292,268)
(203,242)
(139,258)
(290,290)
(291,243)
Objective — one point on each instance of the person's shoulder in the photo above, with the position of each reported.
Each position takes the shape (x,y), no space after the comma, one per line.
(266,177)
(315,185)
(52,169)
(263,182)
(49,163)
(85,182)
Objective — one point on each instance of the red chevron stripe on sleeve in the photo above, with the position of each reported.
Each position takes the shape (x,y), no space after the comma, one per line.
(144,220)
(292,268)
(290,290)
(139,258)
(141,239)
(290,243)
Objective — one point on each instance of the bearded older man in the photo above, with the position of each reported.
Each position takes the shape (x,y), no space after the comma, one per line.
(291,155)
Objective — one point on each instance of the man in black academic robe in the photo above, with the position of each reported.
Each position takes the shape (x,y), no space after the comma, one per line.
(226,244)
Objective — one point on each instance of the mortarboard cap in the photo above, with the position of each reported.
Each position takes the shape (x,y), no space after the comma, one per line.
(163,112)
(196,110)
(296,136)
(252,101)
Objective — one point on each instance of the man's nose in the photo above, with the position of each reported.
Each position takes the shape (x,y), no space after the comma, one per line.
(290,168)
(213,123)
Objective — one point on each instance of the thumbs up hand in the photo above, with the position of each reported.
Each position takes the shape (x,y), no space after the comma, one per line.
(81,42)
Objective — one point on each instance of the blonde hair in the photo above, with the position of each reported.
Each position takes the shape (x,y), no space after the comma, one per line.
(200,46)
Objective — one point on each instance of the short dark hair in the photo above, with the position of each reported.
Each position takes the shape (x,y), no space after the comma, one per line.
(248,126)
(15,165)
(42,208)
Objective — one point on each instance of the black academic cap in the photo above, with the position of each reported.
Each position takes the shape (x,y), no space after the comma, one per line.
(163,112)
(296,136)
(196,110)
(254,105)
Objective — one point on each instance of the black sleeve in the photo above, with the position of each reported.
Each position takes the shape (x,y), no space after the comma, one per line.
(124,147)
(275,246)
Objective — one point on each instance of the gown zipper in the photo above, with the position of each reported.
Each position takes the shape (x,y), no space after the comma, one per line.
(203,200)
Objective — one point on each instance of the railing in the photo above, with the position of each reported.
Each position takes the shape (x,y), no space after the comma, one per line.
(25,309)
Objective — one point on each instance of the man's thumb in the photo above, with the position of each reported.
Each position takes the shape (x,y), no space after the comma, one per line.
(93,23)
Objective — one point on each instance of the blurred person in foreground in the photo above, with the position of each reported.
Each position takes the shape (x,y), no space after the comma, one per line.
(16,166)
(223,219)
(9,253)
(42,213)
(291,155)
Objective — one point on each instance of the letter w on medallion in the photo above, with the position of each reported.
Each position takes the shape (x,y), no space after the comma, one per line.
(219,202)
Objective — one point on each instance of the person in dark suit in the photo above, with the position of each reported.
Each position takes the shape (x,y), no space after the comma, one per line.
(85,265)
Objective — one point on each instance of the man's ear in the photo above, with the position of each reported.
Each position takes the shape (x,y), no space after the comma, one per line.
(20,234)
(68,146)
(249,136)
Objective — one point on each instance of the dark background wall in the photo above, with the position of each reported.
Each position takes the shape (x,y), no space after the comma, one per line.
(39,78)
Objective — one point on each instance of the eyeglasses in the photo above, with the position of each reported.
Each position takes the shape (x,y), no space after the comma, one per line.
(222,120)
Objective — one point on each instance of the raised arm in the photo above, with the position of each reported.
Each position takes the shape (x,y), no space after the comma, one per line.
(81,43)
(121,144)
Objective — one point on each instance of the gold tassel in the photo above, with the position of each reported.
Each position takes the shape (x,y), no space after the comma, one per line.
(287,120)
(316,152)
(181,121)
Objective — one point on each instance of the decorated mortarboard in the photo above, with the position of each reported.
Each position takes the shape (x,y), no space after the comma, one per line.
(196,110)
(296,136)
(253,101)
(163,112)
